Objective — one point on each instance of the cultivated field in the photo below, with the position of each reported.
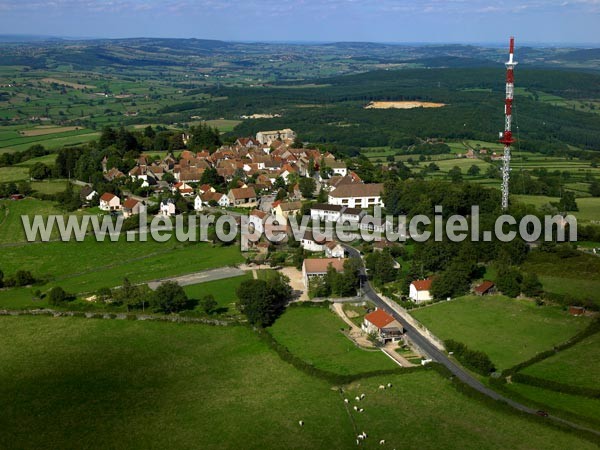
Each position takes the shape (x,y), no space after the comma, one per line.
(44,130)
(403,105)
(67,83)
(509,331)
(90,383)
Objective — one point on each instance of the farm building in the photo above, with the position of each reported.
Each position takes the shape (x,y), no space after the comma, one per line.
(242,196)
(318,267)
(576,310)
(485,288)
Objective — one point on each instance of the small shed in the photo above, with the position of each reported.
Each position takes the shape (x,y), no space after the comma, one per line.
(487,287)
(576,310)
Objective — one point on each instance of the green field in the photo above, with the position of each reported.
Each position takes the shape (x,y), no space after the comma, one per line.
(577,366)
(49,186)
(314,335)
(86,266)
(222,290)
(585,410)
(576,276)
(589,207)
(11,228)
(509,331)
(77,383)
(13,174)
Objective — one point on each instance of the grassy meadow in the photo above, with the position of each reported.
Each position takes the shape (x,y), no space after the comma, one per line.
(576,366)
(576,276)
(222,290)
(509,331)
(583,410)
(91,383)
(314,335)
(84,267)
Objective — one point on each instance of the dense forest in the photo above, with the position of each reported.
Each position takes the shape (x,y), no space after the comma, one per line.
(332,110)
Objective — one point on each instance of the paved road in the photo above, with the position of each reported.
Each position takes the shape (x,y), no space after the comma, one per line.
(423,343)
(200,277)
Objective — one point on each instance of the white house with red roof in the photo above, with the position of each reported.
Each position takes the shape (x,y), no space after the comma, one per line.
(419,291)
(132,207)
(198,203)
(109,202)
(257,218)
(382,325)
(183,188)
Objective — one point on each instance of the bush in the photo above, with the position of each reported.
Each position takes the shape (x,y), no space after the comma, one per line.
(473,359)
(104,294)
(170,298)
(20,278)
(57,296)
(555,386)
(208,303)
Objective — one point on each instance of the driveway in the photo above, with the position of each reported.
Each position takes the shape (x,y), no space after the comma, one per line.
(356,334)
(200,277)
(296,282)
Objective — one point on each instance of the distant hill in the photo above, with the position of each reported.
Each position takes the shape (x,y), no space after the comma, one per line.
(454,62)
(582,55)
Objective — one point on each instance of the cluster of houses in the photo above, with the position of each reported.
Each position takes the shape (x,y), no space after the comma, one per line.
(256,163)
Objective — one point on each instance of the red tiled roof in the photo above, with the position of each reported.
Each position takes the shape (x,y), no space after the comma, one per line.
(321,265)
(107,197)
(258,213)
(484,287)
(130,203)
(358,190)
(379,318)
(243,193)
(422,285)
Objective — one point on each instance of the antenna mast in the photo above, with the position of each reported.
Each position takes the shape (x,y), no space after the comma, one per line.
(506,137)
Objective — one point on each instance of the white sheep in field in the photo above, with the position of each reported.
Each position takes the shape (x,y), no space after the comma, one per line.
(364,435)
(389,385)
(355,408)
(357,442)
(357,399)
(345,400)
(360,436)
(381,442)
(362,396)
(381,386)
(301,423)
(361,410)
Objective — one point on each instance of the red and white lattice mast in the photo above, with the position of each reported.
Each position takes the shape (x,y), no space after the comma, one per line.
(506,137)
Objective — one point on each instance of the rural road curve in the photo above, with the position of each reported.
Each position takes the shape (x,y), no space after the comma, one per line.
(200,277)
(422,342)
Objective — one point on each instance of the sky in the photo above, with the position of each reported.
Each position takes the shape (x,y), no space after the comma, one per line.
(461,21)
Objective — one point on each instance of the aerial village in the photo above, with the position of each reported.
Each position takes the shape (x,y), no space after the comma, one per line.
(255,169)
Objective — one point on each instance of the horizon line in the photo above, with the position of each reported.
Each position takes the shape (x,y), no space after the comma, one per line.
(43,37)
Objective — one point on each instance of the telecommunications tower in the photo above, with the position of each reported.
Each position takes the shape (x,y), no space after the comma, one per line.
(506,137)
